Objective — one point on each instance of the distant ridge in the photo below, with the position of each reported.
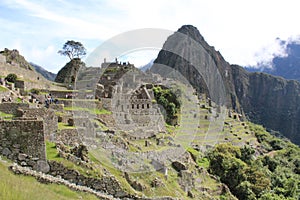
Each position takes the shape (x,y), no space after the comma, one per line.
(285,66)
(48,75)
(147,66)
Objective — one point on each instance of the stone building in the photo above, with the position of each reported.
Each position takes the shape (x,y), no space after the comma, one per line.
(136,113)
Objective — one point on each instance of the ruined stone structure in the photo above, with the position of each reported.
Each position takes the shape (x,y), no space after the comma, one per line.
(113,71)
(46,115)
(2,59)
(22,136)
(135,112)
(11,108)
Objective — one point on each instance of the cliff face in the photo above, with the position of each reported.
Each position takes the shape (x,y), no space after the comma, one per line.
(269,100)
(204,68)
(265,99)
(68,73)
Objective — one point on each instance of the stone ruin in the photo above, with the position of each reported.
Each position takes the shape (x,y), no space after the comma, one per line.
(136,113)
(23,141)
(2,59)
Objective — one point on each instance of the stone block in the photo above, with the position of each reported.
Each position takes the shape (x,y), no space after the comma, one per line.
(42,166)
(6,152)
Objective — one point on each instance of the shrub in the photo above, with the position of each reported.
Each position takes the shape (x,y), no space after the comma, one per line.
(11,78)
(35,91)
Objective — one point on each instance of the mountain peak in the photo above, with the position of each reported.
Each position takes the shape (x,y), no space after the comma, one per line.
(191,31)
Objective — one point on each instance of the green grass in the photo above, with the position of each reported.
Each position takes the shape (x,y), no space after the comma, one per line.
(52,154)
(19,100)
(99,157)
(62,126)
(6,116)
(102,126)
(3,89)
(19,187)
(90,110)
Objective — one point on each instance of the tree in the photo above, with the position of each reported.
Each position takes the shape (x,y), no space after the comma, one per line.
(11,78)
(73,49)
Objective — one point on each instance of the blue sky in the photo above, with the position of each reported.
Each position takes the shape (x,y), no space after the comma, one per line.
(243,31)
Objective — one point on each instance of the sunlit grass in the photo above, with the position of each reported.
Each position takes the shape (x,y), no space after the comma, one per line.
(3,89)
(19,187)
(6,116)
(90,110)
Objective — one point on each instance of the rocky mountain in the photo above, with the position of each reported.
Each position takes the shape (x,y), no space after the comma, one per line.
(285,66)
(13,57)
(48,75)
(271,101)
(68,73)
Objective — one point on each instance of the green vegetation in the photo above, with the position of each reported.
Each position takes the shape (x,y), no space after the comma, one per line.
(6,116)
(169,101)
(11,78)
(73,49)
(53,154)
(273,175)
(3,89)
(101,125)
(62,126)
(35,91)
(18,187)
(90,110)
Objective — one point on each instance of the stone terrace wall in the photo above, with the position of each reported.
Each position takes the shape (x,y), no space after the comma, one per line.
(2,59)
(47,115)
(60,93)
(69,137)
(35,79)
(11,108)
(22,136)
(107,184)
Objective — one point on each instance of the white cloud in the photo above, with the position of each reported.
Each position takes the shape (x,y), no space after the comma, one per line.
(238,29)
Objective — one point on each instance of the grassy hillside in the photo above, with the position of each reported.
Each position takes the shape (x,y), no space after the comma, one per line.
(19,187)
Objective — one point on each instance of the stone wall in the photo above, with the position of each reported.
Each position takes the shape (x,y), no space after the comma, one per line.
(2,59)
(22,136)
(68,137)
(20,84)
(34,79)
(11,108)
(106,103)
(81,103)
(47,115)
(61,93)
(57,107)
(107,184)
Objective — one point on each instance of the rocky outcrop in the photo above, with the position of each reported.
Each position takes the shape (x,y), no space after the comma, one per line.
(271,101)
(69,72)
(13,57)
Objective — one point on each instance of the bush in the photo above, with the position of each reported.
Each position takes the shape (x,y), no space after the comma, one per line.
(35,91)
(11,78)
(169,101)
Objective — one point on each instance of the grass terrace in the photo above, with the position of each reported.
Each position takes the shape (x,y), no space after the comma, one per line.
(90,110)
(19,187)
(3,89)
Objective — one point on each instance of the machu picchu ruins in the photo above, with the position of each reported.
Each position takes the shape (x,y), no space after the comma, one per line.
(113,131)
